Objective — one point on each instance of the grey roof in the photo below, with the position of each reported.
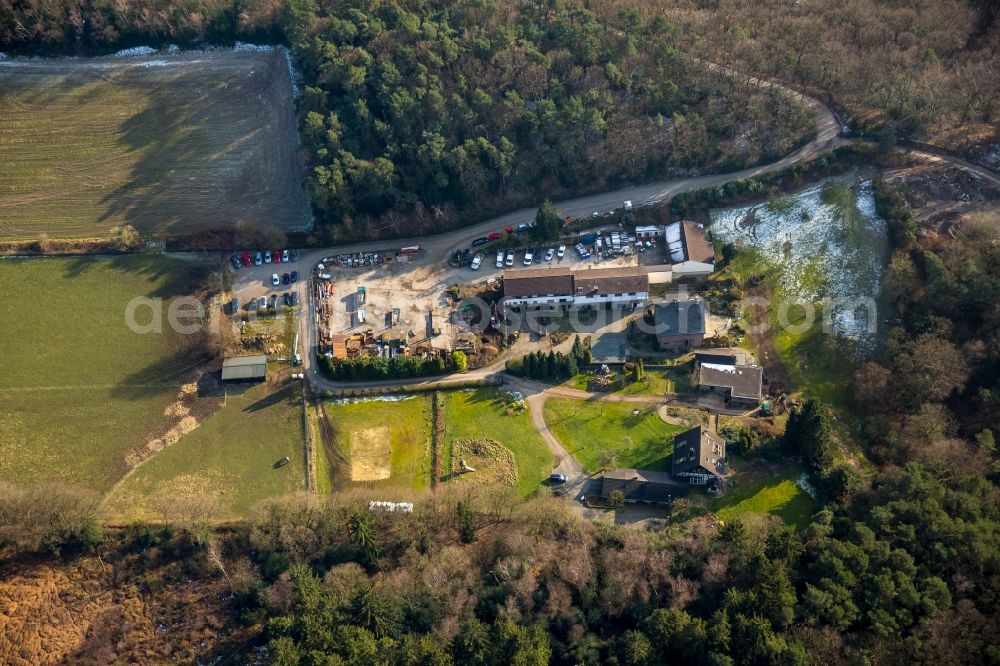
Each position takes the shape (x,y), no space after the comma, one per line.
(680,318)
(698,450)
(641,485)
(743,381)
(245,367)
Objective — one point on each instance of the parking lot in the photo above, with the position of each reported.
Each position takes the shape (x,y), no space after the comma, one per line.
(250,283)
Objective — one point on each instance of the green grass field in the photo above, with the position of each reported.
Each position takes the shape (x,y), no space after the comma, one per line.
(230,457)
(171,145)
(405,438)
(588,428)
(78,388)
(482,413)
(761,491)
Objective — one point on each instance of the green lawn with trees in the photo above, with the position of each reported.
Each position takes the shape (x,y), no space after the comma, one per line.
(608,434)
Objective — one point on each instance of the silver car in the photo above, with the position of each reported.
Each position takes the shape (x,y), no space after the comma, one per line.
(509,261)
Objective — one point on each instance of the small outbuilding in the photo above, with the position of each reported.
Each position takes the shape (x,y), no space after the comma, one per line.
(245,368)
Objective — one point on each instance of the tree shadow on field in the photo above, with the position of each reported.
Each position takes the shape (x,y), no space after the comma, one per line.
(165,375)
(168,278)
(207,149)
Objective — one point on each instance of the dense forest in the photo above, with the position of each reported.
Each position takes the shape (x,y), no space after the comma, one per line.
(418,111)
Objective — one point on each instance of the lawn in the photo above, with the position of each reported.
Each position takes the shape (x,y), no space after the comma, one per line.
(378,443)
(758,490)
(171,144)
(79,390)
(230,457)
(482,412)
(587,428)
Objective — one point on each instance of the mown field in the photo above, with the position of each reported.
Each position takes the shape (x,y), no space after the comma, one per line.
(759,489)
(380,444)
(170,144)
(227,464)
(79,391)
(590,430)
(482,412)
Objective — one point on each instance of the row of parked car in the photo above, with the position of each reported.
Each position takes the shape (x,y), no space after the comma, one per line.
(289,298)
(260,257)
(495,236)
(286,278)
(531,255)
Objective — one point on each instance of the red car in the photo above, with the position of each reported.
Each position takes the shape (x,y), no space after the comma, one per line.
(494,236)
(276,256)
(245,258)
(509,230)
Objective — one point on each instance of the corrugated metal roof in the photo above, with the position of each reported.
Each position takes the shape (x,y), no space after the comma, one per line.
(245,367)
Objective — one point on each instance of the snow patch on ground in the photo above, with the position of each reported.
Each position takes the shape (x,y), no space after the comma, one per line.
(822,250)
(805,486)
(372,398)
(135,51)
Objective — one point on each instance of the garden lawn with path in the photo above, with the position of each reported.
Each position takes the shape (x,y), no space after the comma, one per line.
(590,428)
(483,412)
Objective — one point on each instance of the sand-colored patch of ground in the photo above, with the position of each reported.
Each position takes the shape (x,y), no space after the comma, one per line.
(493,463)
(183,422)
(371,451)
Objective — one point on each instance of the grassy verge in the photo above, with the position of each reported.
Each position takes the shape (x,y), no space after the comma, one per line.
(591,429)
(231,458)
(79,389)
(764,489)
(482,412)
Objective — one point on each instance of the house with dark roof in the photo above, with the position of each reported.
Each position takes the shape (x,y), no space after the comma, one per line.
(679,325)
(645,486)
(563,289)
(741,385)
(699,457)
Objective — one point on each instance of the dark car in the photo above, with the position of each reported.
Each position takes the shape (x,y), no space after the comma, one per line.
(480,241)
(284,278)
(295,298)
(294,277)
(293,255)
(286,298)
(557,478)
(234,306)
(274,301)
(235,261)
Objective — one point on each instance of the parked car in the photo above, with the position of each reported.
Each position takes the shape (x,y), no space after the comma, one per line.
(294,277)
(499,258)
(235,261)
(523,227)
(285,278)
(284,255)
(286,299)
(267,257)
(538,255)
(274,301)
(557,478)
(509,230)
(274,279)
(247,261)
(277,256)
(549,253)
(258,260)
(628,205)
(493,236)
(561,252)
(527,257)
(262,302)
(477,261)
(234,306)
(295,298)
(293,255)
(509,261)
(252,305)
(480,241)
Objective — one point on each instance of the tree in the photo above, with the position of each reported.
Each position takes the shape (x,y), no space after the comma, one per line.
(928,369)
(362,533)
(548,225)
(617,498)
(460,360)
(466,522)
(472,644)
(809,432)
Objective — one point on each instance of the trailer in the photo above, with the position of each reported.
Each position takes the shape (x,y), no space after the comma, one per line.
(359,297)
